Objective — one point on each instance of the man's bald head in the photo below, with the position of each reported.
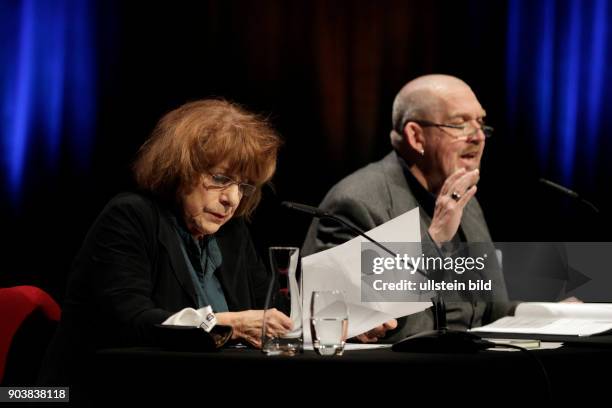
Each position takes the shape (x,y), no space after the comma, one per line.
(422,97)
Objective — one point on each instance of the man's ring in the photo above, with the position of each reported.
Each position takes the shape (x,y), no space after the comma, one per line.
(456,196)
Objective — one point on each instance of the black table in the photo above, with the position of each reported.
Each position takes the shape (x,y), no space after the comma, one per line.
(142,375)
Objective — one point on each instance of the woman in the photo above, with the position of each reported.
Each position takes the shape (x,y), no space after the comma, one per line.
(180,242)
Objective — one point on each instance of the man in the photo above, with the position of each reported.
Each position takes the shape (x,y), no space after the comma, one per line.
(438,140)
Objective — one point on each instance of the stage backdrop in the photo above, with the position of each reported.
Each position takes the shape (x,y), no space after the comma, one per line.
(82,84)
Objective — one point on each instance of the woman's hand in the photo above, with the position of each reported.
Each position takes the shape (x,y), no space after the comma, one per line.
(248,324)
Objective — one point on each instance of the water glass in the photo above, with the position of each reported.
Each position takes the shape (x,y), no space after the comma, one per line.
(328,322)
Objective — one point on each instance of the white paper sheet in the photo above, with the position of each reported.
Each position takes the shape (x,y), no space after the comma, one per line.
(339,268)
(567,319)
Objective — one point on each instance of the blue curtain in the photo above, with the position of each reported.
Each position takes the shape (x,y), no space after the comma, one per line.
(47,86)
(557,52)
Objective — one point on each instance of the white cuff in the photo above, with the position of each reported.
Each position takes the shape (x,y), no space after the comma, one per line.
(203,318)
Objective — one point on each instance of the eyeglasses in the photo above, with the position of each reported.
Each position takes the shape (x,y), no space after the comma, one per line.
(466,131)
(221,181)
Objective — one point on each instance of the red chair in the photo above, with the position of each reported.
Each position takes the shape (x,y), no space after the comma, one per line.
(18,306)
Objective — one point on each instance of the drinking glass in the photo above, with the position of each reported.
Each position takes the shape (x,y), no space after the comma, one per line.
(328,322)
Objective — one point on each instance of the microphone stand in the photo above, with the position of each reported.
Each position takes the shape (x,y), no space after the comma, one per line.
(441,339)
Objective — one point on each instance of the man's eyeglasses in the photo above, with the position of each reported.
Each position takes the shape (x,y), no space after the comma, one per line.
(460,131)
(221,181)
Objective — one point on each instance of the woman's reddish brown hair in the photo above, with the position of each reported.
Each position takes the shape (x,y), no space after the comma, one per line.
(190,140)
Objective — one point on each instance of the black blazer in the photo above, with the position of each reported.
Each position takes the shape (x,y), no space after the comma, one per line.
(130,274)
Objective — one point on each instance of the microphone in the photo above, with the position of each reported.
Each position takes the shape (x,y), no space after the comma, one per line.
(441,339)
(569,193)
(318,213)
(314,211)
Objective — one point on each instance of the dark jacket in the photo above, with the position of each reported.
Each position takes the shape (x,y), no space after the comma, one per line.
(130,274)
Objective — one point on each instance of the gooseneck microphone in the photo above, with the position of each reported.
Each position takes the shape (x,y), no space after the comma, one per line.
(441,339)
(318,213)
(310,210)
(569,193)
